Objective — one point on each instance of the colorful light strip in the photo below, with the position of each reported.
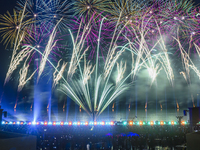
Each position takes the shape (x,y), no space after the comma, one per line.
(95,123)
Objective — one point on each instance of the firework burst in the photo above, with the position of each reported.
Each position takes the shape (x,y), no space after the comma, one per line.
(13,27)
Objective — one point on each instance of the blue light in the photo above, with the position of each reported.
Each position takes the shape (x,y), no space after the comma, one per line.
(3,122)
(66,123)
(33,123)
(49,123)
(42,123)
(10,122)
(124,123)
(57,123)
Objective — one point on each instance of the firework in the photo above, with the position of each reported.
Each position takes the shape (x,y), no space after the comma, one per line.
(90,8)
(13,27)
(121,68)
(110,29)
(50,45)
(78,49)
(58,75)
(16,61)
(104,91)
(48,12)
(92,34)
(126,10)
(23,74)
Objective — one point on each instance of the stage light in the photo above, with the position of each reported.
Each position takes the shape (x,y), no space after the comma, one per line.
(33,123)
(141,123)
(18,122)
(183,122)
(74,123)
(66,123)
(42,123)
(152,123)
(172,122)
(86,123)
(70,123)
(54,123)
(95,123)
(148,123)
(61,123)
(21,123)
(10,122)
(45,123)
(29,123)
(130,122)
(138,123)
(91,123)
(124,123)
(49,123)
(3,122)
(14,122)
(38,123)
(78,123)
(102,123)
(169,123)
(111,123)
(161,123)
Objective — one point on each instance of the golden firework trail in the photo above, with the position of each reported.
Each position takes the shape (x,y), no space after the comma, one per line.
(78,49)
(88,70)
(31,107)
(50,45)
(113,107)
(184,75)
(111,56)
(17,57)
(188,63)
(16,61)
(23,75)
(161,106)
(121,68)
(58,75)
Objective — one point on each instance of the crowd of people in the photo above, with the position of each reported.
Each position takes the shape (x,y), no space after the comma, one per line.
(123,137)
